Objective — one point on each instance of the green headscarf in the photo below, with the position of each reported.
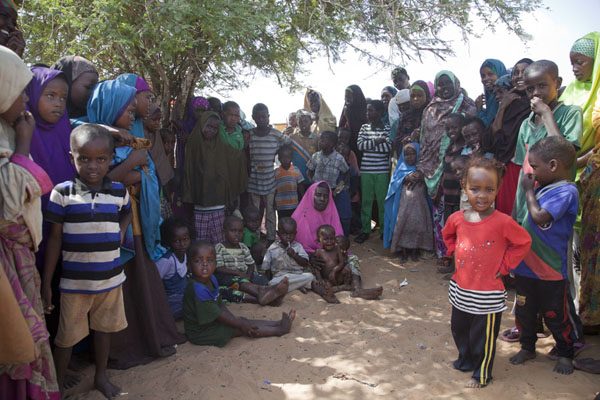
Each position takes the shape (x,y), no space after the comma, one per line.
(214,172)
(584,94)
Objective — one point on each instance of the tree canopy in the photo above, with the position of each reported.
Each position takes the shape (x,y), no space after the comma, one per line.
(180,46)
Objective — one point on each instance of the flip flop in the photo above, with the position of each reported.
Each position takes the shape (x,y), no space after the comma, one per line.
(578,347)
(510,335)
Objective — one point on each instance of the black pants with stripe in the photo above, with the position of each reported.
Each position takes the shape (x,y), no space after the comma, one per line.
(550,299)
(475,337)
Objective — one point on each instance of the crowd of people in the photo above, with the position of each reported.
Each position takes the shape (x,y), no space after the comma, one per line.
(114,224)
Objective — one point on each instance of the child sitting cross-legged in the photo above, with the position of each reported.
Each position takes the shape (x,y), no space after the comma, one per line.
(236,270)
(176,234)
(206,319)
(287,259)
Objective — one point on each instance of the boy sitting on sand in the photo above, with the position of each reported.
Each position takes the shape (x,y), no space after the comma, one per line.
(206,319)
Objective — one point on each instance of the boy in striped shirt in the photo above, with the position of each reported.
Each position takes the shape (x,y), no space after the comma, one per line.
(88,216)
(374,141)
(290,186)
(265,141)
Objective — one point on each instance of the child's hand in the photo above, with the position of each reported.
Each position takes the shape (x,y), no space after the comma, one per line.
(539,107)
(290,252)
(528,182)
(24,127)
(47,299)
(248,329)
(480,102)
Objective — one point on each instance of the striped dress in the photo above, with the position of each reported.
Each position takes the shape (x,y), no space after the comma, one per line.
(376,158)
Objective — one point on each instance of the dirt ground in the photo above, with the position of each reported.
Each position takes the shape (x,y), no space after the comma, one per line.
(398,347)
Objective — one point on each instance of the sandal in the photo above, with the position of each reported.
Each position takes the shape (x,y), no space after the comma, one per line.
(511,335)
(578,347)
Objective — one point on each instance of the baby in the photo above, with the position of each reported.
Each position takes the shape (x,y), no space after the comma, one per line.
(333,268)
(353,264)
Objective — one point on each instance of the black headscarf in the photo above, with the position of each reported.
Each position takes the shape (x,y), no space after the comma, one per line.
(72,68)
(355,115)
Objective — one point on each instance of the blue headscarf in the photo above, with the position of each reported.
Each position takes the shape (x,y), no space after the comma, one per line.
(392,200)
(108,102)
(488,114)
(150,187)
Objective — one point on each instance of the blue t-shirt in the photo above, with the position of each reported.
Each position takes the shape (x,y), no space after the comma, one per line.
(547,259)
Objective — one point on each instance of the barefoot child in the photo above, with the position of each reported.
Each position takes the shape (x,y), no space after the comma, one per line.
(289,181)
(333,269)
(176,234)
(486,244)
(541,279)
(327,164)
(286,258)
(206,319)
(352,262)
(236,269)
(89,216)
(251,216)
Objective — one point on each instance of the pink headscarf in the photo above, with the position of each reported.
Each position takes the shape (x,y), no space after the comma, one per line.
(309,220)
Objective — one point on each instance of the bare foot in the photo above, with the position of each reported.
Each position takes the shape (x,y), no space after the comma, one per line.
(521,357)
(588,365)
(266,294)
(102,384)
(286,321)
(303,290)
(368,294)
(564,366)
(473,384)
(325,292)
(71,381)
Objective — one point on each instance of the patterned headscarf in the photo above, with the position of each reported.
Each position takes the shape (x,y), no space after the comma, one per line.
(584,46)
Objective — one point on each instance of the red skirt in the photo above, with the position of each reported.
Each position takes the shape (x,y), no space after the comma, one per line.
(508,190)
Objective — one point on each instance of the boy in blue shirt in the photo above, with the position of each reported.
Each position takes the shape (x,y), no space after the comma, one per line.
(541,278)
(89,216)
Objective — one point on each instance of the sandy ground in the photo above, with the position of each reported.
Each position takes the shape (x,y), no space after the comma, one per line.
(398,347)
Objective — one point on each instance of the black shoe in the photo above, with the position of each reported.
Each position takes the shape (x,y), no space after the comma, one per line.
(361,238)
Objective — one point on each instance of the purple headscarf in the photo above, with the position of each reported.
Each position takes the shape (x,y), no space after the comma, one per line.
(190,120)
(50,142)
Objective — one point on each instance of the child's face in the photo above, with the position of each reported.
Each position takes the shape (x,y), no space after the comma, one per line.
(325,144)
(152,123)
(293,120)
(417,98)
(234,232)
(285,158)
(252,221)
(127,119)
(304,123)
(373,115)
(180,241)
(488,77)
(327,239)
(231,117)
(16,110)
(453,129)
(92,160)
(343,149)
(261,118)
(583,66)
(444,87)
(386,97)
(202,262)
(482,186)
(404,107)
(287,234)
(144,99)
(169,144)
(542,85)
(344,136)
(82,88)
(518,76)
(342,243)
(211,128)
(400,81)
(472,133)
(499,92)
(53,101)
(410,155)
(544,171)
(458,170)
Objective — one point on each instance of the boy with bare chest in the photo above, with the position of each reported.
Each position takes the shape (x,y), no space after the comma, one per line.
(333,271)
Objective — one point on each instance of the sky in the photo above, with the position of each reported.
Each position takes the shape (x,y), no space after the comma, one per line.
(552,31)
